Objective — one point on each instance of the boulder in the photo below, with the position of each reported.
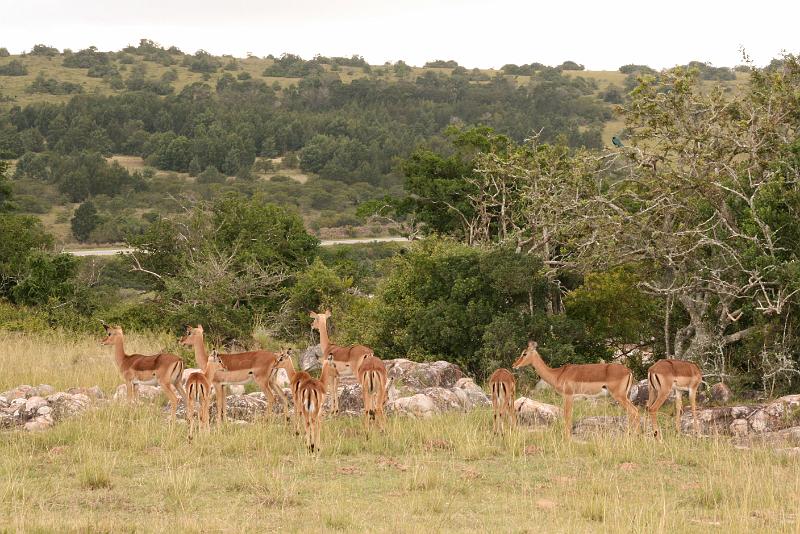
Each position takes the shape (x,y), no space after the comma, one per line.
(42,422)
(721,393)
(409,375)
(244,407)
(94,392)
(475,394)
(541,385)
(418,405)
(19,392)
(32,405)
(639,393)
(142,392)
(310,358)
(532,412)
(65,405)
(739,427)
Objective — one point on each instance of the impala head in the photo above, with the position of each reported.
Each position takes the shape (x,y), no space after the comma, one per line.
(528,355)
(320,319)
(284,360)
(193,335)
(214,364)
(113,334)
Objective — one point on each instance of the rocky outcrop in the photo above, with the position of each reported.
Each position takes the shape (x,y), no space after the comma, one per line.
(745,420)
(39,408)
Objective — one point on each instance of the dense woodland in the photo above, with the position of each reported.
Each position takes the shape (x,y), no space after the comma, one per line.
(682,241)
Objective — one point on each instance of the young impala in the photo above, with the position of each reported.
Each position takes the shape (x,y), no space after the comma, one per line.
(373,378)
(585,380)
(503,388)
(198,391)
(238,368)
(162,369)
(666,375)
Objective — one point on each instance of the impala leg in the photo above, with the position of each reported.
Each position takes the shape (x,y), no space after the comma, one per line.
(297,414)
(656,398)
(265,386)
(495,413)
(335,395)
(678,410)
(173,399)
(511,410)
(204,407)
(180,389)
(633,413)
(131,391)
(220,402)
(568,416)
(282,396)
(693,402)
(190,416)
(367,406)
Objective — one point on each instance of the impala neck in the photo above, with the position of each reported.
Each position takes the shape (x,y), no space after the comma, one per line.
(546,372)
(324,340)
(200,354)
(119,351)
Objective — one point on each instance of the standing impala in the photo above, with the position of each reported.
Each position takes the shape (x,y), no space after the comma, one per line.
(330,377)
(163,369)
(198,391)
(296,381)
(662,377)
(239,368)
(345,358)
(503,388)
(373,378)
(586,380)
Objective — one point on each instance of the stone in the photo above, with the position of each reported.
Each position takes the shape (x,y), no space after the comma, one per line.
(476,395)
(739,427)
(599,425)
(19,392)
(282,378)
(721,393)
(43,390)
(532,412)
(639,393)
(42,422)
(418,405)
(94,392)
(310,358)
(244,407)
(32,405)
(142,392)
(66,405)
(541,385)
(44,410)
(416,376)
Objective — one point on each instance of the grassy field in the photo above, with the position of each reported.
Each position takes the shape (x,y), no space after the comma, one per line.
(123,468)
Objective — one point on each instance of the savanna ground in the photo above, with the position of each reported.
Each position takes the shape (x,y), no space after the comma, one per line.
(124,468)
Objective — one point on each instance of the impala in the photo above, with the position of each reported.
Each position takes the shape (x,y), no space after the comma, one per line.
(503,388)
(162,369)
(198,391)
(238,368)
(586,380)
(345,358)
(296,378)
(666,375)
(330,377)
(311,395)
(373,378)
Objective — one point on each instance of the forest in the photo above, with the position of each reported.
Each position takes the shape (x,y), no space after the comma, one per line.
(680,241)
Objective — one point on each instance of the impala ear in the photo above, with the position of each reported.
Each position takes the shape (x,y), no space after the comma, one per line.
(532,344)
(327,313)
(312,314)
(200,327)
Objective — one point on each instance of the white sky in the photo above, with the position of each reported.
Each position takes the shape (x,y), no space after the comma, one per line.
(602,34)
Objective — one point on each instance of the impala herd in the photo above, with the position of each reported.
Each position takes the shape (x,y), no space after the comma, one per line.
(308,393)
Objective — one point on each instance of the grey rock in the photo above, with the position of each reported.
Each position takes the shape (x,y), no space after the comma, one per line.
(66,405)
(533,412)
(310,358)
(721,393)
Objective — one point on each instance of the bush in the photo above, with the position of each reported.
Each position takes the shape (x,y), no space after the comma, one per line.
(211,176)
(43,50)
(52,86)
(4,52)
(14,67)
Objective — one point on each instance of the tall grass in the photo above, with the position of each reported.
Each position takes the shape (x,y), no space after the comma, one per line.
(125,468)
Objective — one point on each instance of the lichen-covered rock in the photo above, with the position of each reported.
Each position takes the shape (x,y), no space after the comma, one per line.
(739,427)
(760,418)
(475,394)
(94,392)
(532,412)
(418,405)
(32,405)
(19,392)
(416,376)
(600,424)
(721,393)
(41,422)
(638,393)
(65,405)
(244,407)
(310,358)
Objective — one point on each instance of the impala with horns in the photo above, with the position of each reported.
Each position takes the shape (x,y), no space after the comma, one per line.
(584,380)
(198,392)
(504,389)
(666,375)
(161,369)
(238,368)
(373,379)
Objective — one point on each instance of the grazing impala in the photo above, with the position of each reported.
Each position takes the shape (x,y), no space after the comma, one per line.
(198,391)
(311,394)
(373,378)
(503,388)
(330,377)
(666,375)
(239,368)
(162,369)
(345,358)
(586,380)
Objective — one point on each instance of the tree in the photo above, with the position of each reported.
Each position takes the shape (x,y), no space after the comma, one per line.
(5,188)
(19,235)
(84,221)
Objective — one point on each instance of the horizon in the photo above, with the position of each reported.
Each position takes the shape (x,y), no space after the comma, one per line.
(448,30)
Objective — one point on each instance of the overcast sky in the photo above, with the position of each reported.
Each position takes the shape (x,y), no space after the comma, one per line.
(602,34)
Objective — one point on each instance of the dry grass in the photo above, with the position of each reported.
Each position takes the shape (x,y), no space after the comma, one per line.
(122,468)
